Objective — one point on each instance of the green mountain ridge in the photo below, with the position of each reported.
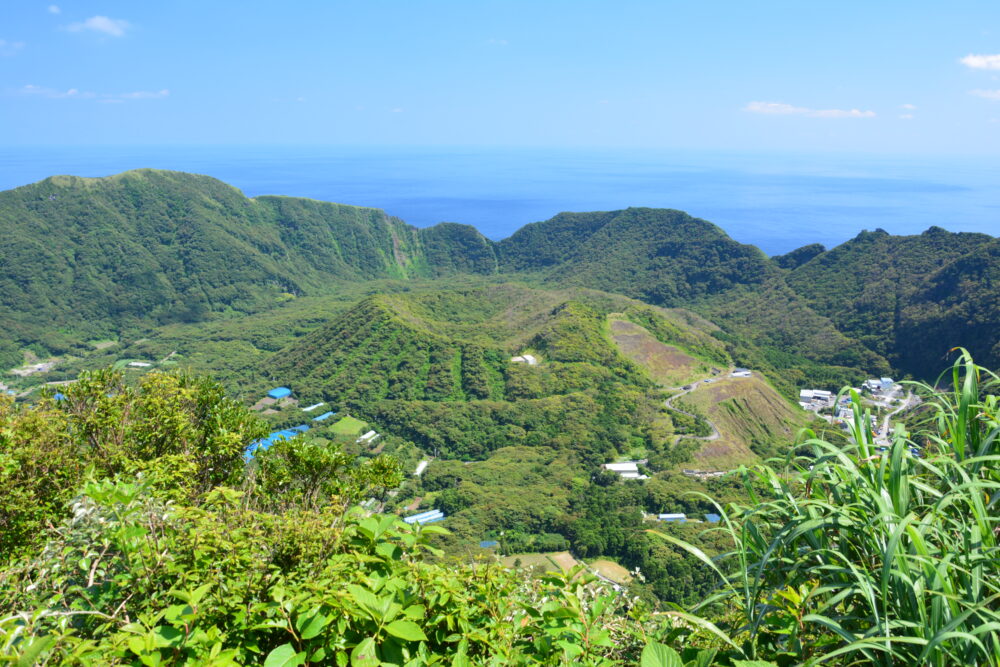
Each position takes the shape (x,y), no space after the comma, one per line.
(102,258)
(909,298)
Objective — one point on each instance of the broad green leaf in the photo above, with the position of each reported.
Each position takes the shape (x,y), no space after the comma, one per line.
(29,655)
(363,654)
(311,626)
(407,630)
(659,655)
(284,656)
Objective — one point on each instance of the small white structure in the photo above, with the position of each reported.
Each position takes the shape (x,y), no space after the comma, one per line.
(525,359)
(139,364)
(313,407)
(672,517)
(368,437)
(420,468)
(741,373)
(626,469)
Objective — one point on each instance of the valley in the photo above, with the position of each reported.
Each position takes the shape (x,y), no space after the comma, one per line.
(652,337)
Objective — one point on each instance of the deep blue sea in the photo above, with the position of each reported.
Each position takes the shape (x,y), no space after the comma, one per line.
(777,201)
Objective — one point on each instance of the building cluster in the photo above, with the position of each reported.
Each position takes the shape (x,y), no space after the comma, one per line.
(815,399)
(879,386)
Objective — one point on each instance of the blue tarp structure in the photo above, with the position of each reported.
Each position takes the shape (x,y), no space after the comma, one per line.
(279,392)
(713,518)
(59,396)
(264,443)
(324,416)
(488,544)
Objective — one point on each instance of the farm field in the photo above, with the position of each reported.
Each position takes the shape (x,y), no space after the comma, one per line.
(611,570)
(348,426)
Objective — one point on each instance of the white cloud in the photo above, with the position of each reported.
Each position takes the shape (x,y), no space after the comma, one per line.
(74,93)
(782,109)
(908,107)
(981,61)
(144,95)
(906,116)
(54,9)
(988,94)
(102,24)
(10,48)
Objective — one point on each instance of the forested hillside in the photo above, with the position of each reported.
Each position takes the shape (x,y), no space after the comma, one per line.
(909,298)
(669,258)
(435,368)
(92,257)
(84,259)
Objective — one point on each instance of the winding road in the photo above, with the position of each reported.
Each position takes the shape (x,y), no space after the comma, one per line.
(681,391)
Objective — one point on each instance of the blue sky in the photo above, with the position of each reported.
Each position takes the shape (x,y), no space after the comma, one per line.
(875,77)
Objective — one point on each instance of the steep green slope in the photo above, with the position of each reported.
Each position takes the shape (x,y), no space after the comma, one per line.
(668,258)
(434,367)
(92,257)
(661,256)
(958,305)
(879,289)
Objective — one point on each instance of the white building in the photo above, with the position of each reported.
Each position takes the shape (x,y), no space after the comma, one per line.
(368,437)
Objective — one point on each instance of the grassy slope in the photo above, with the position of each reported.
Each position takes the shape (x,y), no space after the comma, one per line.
(753,420)
(666,364)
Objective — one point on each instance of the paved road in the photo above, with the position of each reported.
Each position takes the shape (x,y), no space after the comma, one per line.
(681,392)
(908,402)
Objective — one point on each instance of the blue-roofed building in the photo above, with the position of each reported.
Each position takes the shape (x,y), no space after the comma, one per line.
(713,518)
(265,443)
(279,393)
(59,396)
(488,544)
(324,416)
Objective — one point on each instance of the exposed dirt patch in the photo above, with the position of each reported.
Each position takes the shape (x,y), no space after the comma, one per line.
(665,363)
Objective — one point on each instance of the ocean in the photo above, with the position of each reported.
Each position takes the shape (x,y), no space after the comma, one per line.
(777,201)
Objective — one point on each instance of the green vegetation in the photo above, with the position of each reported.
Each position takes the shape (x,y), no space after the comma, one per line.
(133,531)
(890,559)
(433,367)
(348,426)
(909,298)
(173,551)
